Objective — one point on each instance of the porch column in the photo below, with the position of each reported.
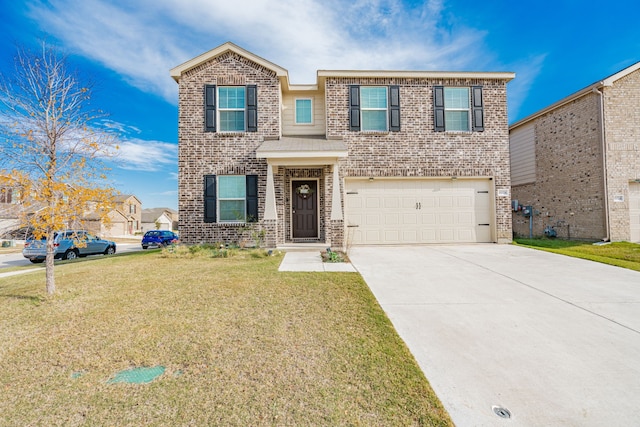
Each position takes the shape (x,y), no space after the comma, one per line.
(270,202)
(336,206)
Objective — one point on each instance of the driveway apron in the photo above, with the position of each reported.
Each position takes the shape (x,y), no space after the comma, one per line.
(553,340)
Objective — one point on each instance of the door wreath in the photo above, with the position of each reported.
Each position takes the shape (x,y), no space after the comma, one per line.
(304,191)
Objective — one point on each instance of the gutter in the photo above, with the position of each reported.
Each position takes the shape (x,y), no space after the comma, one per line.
(603,139)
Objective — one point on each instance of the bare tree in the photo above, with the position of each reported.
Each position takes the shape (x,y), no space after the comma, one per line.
(52,148)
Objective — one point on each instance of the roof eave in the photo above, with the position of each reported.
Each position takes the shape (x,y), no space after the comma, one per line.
(608,81)
(507,76)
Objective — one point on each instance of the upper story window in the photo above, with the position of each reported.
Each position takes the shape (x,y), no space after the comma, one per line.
(458,109)
(373,101)
(231,105)
(374,108)
(231,108)
(5,195)
(304,111)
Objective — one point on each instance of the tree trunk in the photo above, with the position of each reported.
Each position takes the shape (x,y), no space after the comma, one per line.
(50,278)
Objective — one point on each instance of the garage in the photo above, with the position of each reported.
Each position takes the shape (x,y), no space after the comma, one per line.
(402,211)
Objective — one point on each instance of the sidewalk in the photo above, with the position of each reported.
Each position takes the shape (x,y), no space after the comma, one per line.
(311,261)
(15,273)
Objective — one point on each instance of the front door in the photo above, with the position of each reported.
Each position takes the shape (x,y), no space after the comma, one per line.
(304,209)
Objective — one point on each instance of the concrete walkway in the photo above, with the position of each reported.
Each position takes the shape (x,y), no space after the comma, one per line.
(17,272)
(552,339)
(312,261)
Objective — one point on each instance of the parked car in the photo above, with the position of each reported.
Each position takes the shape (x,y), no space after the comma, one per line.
(68,244)
(158,238)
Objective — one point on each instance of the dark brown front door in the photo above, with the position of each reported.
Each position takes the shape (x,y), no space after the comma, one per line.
(304,209)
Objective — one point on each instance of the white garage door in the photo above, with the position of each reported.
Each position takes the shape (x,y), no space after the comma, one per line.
(634,211)
(398,211)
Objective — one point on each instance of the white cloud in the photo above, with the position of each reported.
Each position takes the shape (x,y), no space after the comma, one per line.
(149,156)
(143,40)
(121,128)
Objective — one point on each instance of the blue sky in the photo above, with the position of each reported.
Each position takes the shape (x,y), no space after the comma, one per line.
(128,47)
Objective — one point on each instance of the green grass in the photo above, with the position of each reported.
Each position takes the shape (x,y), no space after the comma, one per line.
(621,254)
(242,344)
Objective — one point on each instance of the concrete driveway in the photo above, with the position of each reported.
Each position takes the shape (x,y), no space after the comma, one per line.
(554,340)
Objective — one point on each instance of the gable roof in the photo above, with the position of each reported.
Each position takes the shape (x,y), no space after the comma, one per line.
(120,198)
(152,214)
(283,74)
(177,72)
(607,81)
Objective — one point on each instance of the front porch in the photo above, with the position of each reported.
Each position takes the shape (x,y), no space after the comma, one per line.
(302,204)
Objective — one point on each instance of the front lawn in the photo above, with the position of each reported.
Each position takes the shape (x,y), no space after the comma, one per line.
(240,344)
(621,254)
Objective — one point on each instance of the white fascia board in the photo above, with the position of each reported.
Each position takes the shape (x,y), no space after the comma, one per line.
(301,155)
(417,74)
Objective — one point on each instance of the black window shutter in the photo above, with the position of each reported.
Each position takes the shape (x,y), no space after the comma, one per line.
(210,198)
(252,198)
(210,108)
(438,108)
(394,108)
(354,108)
(252,108)
(477,108)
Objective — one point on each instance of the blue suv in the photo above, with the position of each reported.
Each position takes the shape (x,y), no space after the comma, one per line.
(158,238)
(68,244)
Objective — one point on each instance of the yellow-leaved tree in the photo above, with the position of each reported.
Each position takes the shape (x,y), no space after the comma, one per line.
(52,148)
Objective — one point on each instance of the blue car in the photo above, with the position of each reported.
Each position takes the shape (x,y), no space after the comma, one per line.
(68,244)
(158,238)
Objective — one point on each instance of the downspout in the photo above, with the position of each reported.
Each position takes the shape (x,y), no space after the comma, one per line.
(604,165)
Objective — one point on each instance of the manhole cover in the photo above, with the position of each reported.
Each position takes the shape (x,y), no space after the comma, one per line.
(137,375)
(501,412)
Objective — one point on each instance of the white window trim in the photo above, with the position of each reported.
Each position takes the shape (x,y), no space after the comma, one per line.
(220,109)
(220,199)
(468,110)
(295,111)
(386,109)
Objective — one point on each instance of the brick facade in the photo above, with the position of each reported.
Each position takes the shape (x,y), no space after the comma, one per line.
(622,133)
(569,188)
(415,151)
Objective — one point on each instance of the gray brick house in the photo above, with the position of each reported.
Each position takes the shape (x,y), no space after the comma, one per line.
(577,163)
(358,157)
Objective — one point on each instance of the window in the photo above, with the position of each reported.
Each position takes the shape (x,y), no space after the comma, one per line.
(374,108)
(230,198)
(458,109)
(231,108)
(304,112)
(5,195)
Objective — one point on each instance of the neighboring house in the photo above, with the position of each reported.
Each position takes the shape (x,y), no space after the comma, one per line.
(9,212)
(131,208)
(358,157)
(125,218)
(577,163)
(159,219)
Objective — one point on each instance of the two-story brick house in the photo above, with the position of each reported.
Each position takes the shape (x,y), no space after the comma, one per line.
(358,157)
(577,163)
